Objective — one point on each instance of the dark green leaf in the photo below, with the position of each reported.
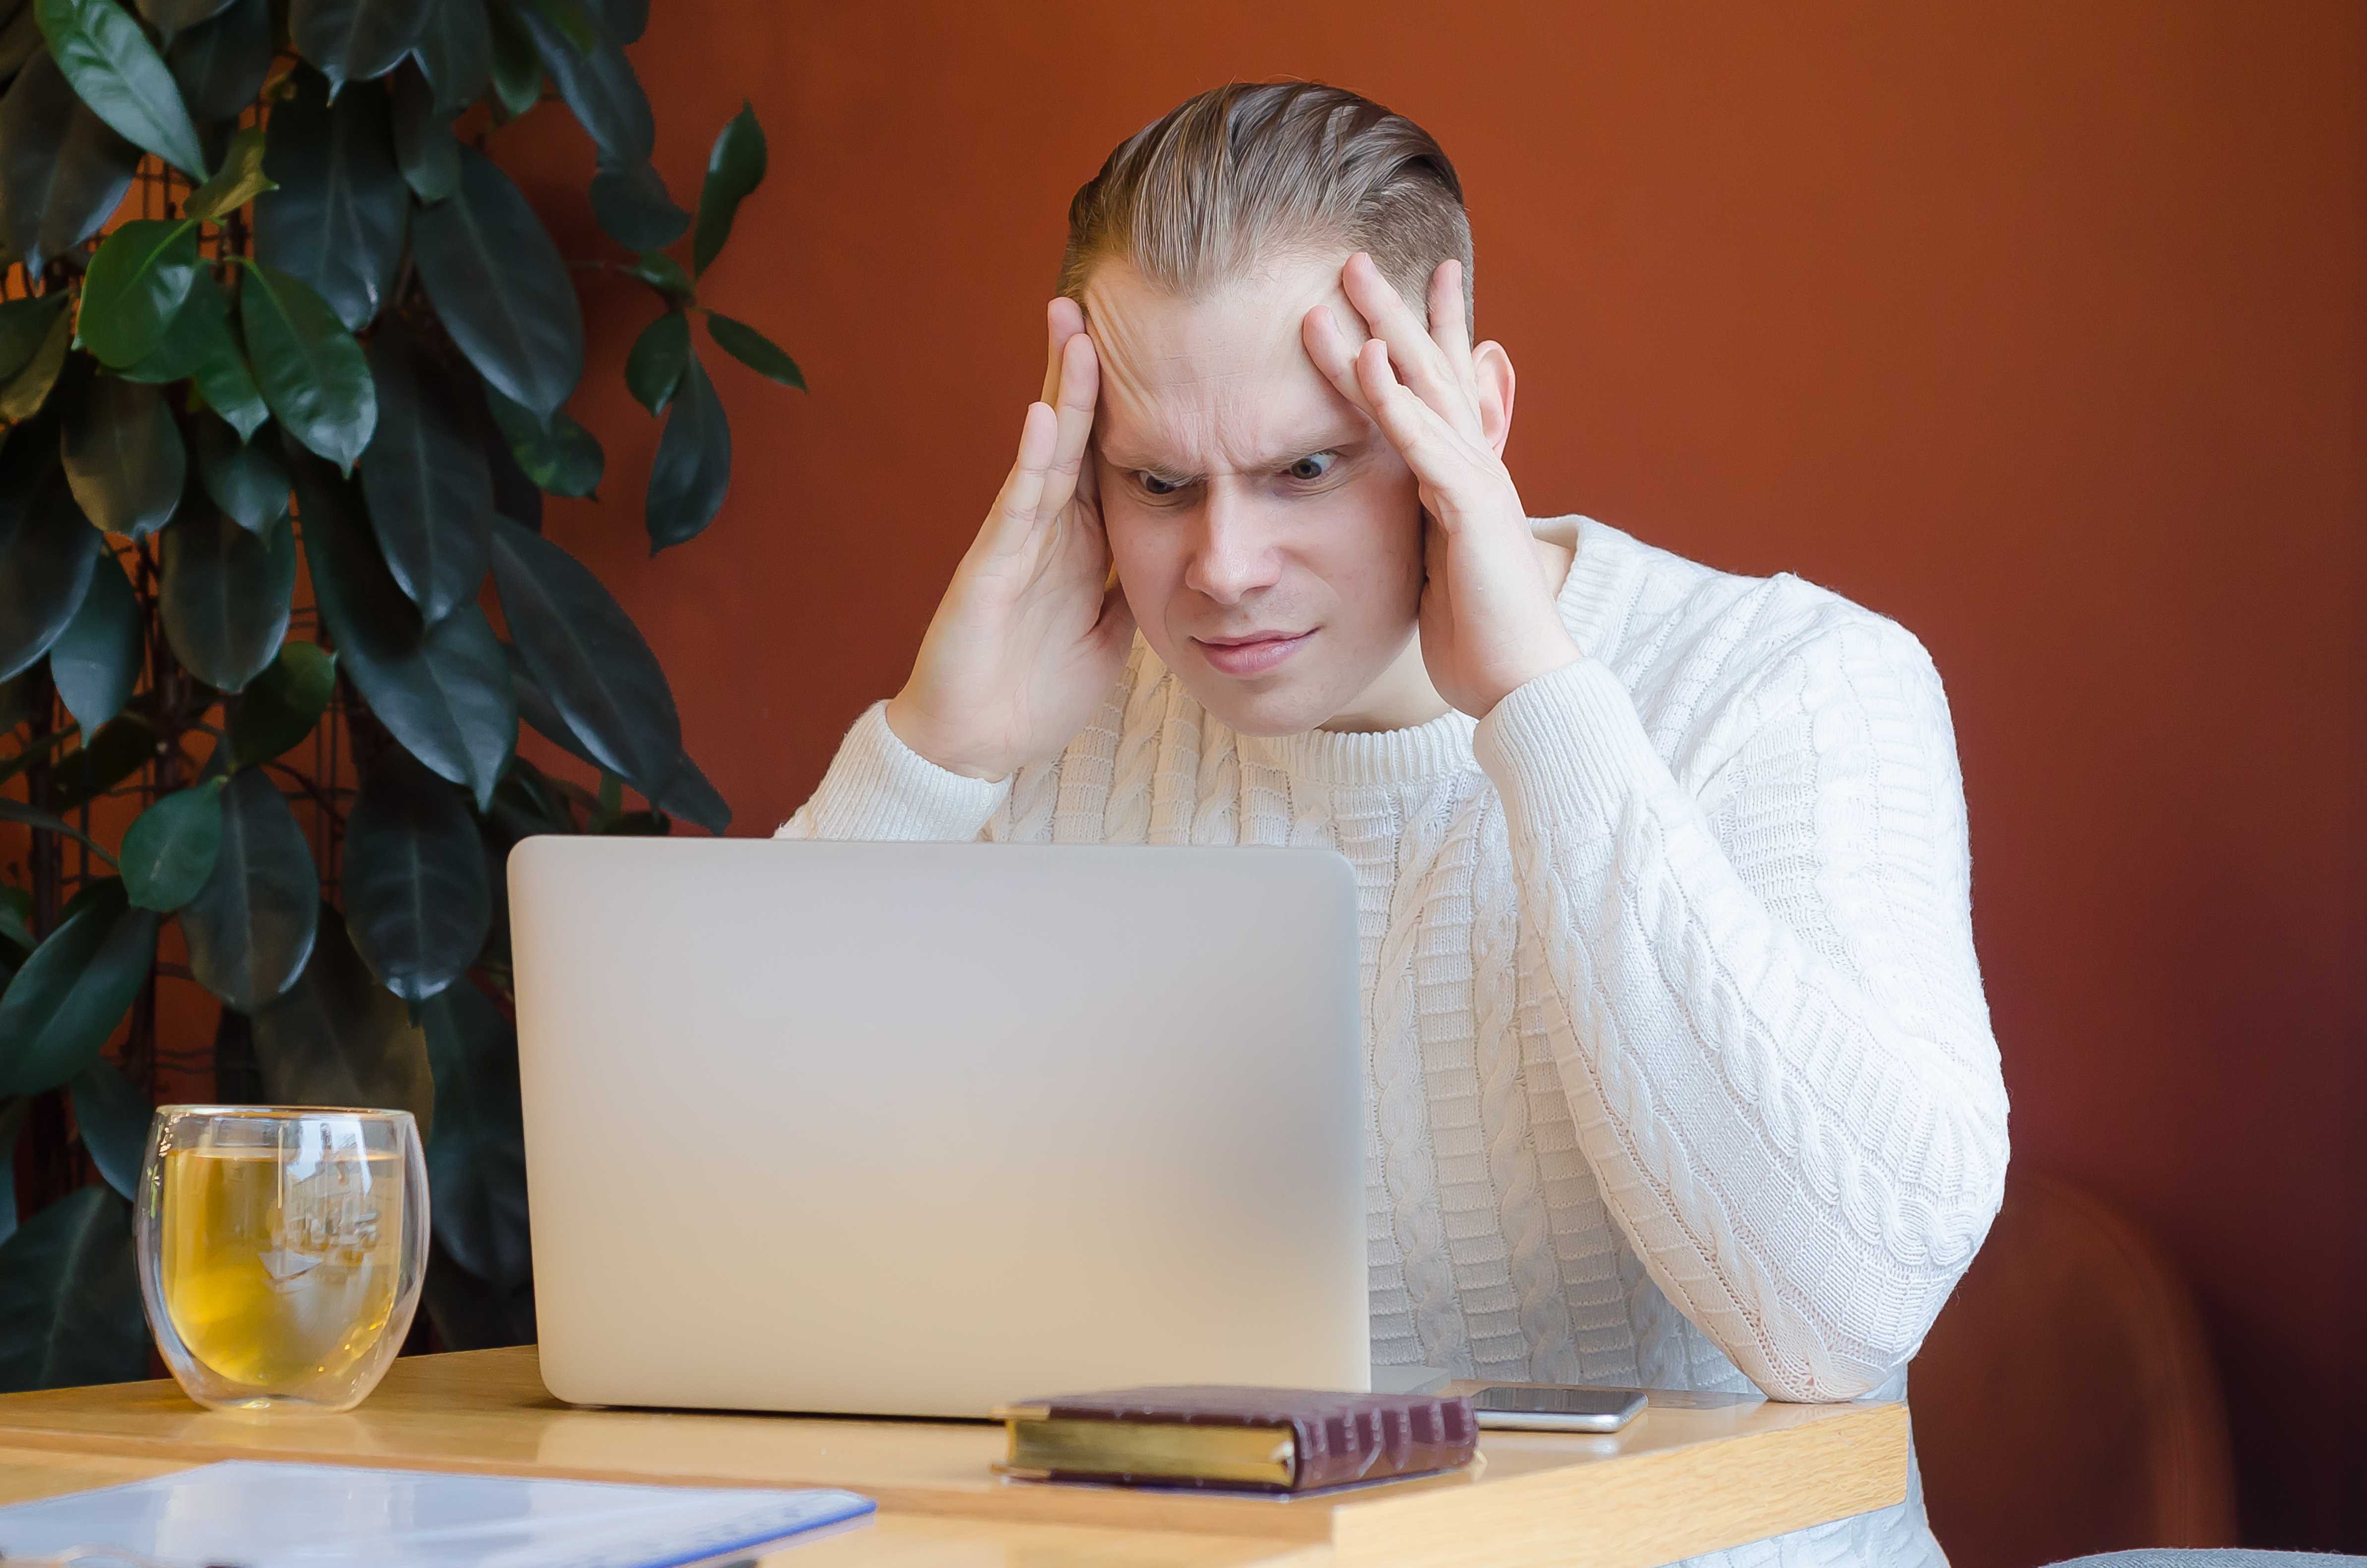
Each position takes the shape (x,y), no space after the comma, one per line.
(226,384)
(753,349)
(136,284)
(337,1037)
(337,220)
(124,458)
(122,746)
(444,692)
(575,23)
(251,925)
(633,208)
(734,167)
(96,661)
(12,1120)
(693,467)
(225,596)
(30,389)
(280,706)
(586,654)
(516,68)
(220,65)
(23,324)
(47,553)
(239,181)
(169,852)
(59,1010)
(655,368)
(352,40)
(596,82)
(496,281)
(15,927)
(70,1310)
(171,16)
(430,497)
(199,330)
(308,366)
(455,51)
(245,480)
(662,273)
(627,20)
(476,1161)
(516,496)
(689,796)
(417,904)
(117,73)
(113,1118)
(63,169)
(424,147)
(564,459)
(46,822)
(536,711)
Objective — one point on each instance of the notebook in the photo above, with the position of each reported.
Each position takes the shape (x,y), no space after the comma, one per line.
(262,1515)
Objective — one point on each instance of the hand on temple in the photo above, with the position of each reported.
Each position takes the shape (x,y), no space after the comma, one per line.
(1488,619)
(1033,629)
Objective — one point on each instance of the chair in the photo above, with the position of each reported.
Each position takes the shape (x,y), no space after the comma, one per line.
(2065,1402)
(2212,1557)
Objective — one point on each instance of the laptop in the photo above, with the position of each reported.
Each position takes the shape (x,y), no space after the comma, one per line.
(921,1129)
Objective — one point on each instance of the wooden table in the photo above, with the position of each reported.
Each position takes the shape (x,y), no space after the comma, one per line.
(1693,1473)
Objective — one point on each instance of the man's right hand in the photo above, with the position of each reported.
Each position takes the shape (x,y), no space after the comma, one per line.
(1032,631)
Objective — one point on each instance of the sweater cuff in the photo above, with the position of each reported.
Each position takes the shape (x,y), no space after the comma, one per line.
(1570,735)
(882,789)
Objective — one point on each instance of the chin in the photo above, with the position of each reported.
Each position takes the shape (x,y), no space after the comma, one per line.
(1283,707)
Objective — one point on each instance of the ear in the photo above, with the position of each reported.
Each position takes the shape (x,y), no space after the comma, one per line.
(1493,368)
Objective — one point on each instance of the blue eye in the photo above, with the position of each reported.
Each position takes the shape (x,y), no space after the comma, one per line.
(1313,467)
(1154,485)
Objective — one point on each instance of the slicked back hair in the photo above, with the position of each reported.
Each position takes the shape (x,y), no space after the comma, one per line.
(1252,173)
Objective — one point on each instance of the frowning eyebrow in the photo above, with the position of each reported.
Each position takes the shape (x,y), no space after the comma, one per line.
(1335,438)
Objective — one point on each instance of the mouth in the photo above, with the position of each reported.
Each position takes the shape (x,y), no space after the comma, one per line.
(1253,655)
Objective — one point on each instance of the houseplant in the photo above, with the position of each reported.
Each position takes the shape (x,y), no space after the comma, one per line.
(339,338)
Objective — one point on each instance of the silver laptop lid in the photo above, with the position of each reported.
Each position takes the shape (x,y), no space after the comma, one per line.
(916,1128)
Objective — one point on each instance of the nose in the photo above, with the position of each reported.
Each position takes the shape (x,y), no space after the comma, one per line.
(1233,550)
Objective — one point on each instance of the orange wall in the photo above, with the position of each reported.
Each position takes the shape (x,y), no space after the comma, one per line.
(2036,326)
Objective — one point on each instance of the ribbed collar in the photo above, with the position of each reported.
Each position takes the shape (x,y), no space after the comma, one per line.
(1442,745)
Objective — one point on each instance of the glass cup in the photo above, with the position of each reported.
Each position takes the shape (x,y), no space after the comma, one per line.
(281,1250)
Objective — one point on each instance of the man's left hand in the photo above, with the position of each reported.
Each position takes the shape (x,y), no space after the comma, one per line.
(1488,618)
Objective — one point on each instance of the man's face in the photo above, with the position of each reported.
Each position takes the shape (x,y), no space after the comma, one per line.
(1267,535)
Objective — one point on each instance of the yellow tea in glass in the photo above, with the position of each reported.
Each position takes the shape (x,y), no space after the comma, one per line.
(281,1250)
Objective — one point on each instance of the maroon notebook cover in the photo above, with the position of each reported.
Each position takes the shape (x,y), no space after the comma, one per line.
(1339,1437)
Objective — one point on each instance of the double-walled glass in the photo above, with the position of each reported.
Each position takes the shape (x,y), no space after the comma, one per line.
(281,1250)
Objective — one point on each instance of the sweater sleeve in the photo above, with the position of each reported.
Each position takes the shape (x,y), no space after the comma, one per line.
(1770,1024)
(877,787)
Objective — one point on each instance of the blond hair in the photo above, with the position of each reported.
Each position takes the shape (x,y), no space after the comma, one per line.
(1252,173)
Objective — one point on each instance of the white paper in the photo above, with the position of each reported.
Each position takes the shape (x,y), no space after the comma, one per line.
(260,1515)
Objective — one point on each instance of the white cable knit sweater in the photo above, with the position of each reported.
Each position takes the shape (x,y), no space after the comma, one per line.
(1679,1069)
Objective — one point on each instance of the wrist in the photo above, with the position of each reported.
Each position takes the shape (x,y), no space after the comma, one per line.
(1553,653)
(907,725)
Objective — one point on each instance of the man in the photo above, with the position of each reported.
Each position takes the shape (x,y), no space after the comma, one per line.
(1680,1068)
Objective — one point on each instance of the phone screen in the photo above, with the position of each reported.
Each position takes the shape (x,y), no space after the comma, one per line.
(1556,1401)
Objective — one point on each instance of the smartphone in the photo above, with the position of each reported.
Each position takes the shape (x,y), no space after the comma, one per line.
(1557,1409)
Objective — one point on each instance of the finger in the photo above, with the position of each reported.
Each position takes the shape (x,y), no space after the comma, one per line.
(1079,378)
(1450,326)
(1439,456)
(1420,362)
(1334,354)
(1016,505)
(1063,319)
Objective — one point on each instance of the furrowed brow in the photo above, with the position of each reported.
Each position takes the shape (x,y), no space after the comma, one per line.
(1324,439)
